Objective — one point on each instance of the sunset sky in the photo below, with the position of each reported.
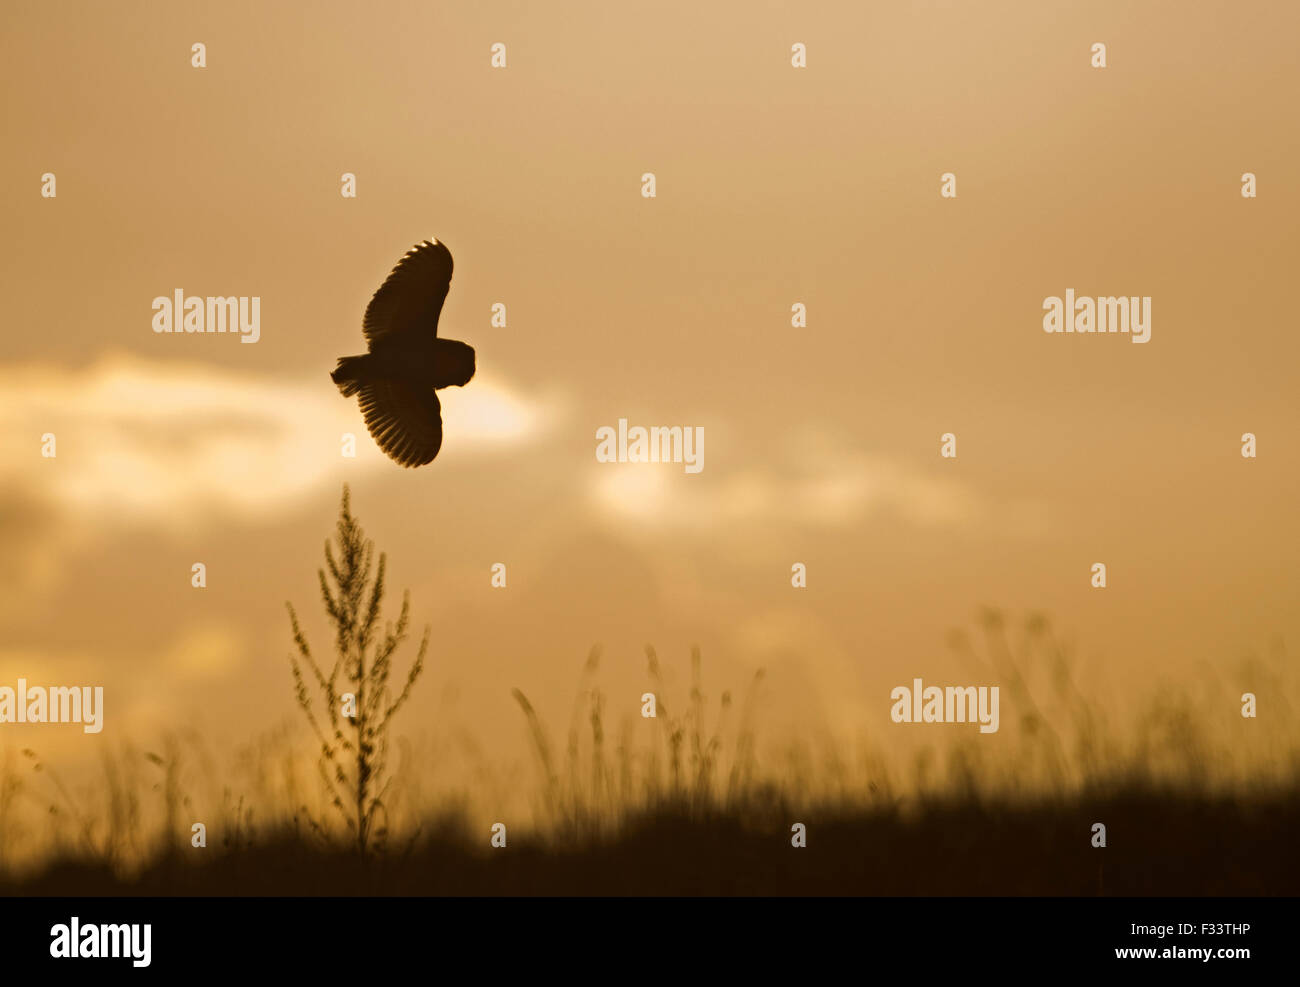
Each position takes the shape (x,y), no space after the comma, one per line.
(775,185)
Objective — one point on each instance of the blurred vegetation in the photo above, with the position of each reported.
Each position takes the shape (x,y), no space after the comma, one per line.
(1195,797)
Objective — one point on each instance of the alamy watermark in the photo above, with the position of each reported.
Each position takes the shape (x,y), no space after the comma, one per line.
(106,941)
(56,704)
(1130,315)
(215,313)
(657,444)
(950,704)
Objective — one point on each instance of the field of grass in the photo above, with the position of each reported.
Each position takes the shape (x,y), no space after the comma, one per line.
(1193,801)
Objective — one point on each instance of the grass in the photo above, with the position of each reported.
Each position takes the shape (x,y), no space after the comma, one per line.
(700,805)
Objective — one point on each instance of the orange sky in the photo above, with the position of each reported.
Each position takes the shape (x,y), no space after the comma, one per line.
(775,185)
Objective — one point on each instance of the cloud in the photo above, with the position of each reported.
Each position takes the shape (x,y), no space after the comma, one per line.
(811,482)
(161,441)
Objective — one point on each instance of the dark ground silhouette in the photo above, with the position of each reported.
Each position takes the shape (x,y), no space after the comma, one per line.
(1172,845)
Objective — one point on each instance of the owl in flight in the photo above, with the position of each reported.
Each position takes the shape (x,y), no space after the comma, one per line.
(407,362)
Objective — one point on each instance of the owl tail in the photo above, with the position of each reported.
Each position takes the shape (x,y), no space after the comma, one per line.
(351,373)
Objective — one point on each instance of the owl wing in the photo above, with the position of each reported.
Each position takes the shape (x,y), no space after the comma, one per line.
(410,300)
(405,423)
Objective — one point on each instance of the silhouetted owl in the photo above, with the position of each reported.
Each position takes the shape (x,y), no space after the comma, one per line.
(407,362)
